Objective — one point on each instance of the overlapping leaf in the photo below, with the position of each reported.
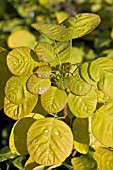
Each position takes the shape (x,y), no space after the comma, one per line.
(17,111)
(99,66)
(36,85)
(83,106)
(18,136)
(21,61)
(54,100)
(104,158)
(84,162)
(43,71)
(49,141)
(102,124)
(81,135)
(80,25)
(30,164)
(45,52)
(52,31)
(15,89)
(78,85)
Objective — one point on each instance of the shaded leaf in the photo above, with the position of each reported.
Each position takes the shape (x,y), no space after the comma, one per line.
(18,136)
(80,25)
(21,61)
(5,154)
(84,162)
(104,158)
(30,164)
(54,100)
(36,85)
(50,141)
(43,71)
(81,135)
(102,125)
(78,86)
(83,106)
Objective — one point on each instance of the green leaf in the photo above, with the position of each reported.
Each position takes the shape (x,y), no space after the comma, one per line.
(81,135)
(84,162)
(84,70)
(61,16)
(105,84)
(19,162)
(15,89)
(83,106)
(80,25)
(44,71)
(49,141)
(102,125)
(18,136)
(99,66)
(36,85)
(6,154)
(101,97)
(45,52)
(17,111)
(21,37)
(4,73)
(54,100)
(77,85)
(104,158)
(21,61)
(52,31)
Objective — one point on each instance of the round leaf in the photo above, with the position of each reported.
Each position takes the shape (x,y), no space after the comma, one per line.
(36,85)
(30,164)
(80,25)
(21,37)
(21,61)
(18,136)
(98,66)
(49,141)
(83,106)
(45,52)
(17,111)
(43,71)
(102,125)
(78,86)
(54,100)
(15,89)
(104,158)
(81,135)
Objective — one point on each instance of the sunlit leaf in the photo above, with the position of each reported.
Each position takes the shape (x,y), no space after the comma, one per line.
(100,65)
(105,84)
(15,89)
(45,52)
(54,100)
(61,16)
(17,111)
(21,37)
(18,136)
(81,135)
(36,85)
(43,72)
(80,25)
(53,31)
(49,141)
(21,61)
(83,106)
(104,158)
(101,97)
(78,85)
(102,125)
(84,162)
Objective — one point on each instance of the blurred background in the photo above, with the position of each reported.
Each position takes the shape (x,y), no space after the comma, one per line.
(16,17)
